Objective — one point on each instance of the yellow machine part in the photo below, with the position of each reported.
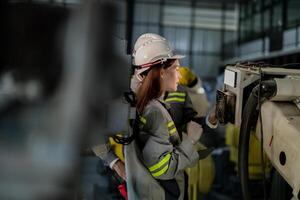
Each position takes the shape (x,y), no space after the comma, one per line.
(255,169)
(206,174)
(186,76)
(201,176)
(118,149)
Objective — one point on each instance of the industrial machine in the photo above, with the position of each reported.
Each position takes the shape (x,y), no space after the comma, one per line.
(265,99)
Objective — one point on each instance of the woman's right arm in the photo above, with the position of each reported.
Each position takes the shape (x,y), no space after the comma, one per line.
(163,159)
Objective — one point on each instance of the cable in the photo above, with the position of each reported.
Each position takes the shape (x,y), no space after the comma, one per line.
(134,123)
(249,120)
(292,65)
(261,135)
(125,140)
(248,64)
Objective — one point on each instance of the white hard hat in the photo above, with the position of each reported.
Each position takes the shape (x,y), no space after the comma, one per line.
(150,49)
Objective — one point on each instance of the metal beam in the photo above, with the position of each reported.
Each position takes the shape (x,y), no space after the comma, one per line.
(129,23)
(223,21)
(192,32)
(161,17)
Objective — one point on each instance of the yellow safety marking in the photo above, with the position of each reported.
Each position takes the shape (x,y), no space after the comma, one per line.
(175,99)
(160,163)
(180,94)
(172,131)
(162,171)
(143,120)
(171,123)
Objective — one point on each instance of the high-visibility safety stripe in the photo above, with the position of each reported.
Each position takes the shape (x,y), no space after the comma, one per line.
(172,131)
(160,172)
(160,163)
(143,120)
(171,123)
(177,99)
(180,94)
(171,127)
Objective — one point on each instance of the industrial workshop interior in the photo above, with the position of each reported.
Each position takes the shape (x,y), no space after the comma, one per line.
(149,99)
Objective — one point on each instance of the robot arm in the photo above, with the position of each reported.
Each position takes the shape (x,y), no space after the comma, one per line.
(245,88)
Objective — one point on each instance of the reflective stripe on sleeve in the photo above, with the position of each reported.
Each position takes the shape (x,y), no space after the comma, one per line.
(172,131)
(171,127)
(161,172)
(171,123)
(160,163)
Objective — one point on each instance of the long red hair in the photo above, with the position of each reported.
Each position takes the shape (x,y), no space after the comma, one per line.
(151,87)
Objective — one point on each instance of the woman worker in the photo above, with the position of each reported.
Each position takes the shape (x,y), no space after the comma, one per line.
(164,154)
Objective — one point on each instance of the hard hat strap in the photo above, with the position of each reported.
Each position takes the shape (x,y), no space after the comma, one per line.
(161,61)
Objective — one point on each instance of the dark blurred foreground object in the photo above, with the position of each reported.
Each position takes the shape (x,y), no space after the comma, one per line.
(31,39)
(56,76)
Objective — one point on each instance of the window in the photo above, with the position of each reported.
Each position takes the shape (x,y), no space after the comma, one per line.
(277,15)
(257,23)
(293,15)
(266,20)
(257,5)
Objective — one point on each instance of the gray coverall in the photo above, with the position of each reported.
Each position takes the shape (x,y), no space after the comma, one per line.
(163,152)
(181,109)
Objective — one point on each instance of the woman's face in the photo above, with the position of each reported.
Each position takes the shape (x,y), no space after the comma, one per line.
(170,77)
